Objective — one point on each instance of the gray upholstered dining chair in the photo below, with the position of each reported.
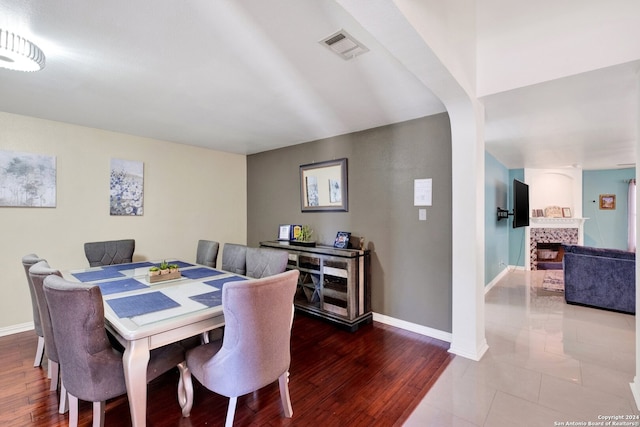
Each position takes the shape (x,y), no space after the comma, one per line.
(109,252)
(27,261)
(263,262)
(207,253)
(255,350)
(92,370)
(38,273)
(234,258)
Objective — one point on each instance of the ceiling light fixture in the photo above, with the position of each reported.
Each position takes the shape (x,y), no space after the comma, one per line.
(18,53)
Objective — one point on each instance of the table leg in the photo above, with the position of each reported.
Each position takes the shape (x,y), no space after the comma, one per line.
(136,359)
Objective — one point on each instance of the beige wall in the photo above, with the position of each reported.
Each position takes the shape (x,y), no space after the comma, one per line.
(190,193)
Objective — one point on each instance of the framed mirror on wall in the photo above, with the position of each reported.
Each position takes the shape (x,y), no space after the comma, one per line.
(323,186)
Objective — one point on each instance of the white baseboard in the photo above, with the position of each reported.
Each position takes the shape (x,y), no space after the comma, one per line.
(14,329)
(413,327)
(496,279)
(500,275)
(635,390)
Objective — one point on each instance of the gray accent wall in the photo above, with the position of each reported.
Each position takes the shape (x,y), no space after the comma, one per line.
(411,259)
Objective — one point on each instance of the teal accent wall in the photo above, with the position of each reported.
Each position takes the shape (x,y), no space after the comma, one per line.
(605,228)
(517,251)
(496,233)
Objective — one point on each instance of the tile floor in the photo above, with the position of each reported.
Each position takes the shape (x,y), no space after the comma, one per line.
(548,364)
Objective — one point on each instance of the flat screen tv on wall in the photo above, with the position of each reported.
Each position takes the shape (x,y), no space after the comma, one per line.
(520,204)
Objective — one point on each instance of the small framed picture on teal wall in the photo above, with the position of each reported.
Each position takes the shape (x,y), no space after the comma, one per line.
(607,201)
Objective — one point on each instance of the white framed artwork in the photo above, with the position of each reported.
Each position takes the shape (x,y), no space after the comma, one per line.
(126,188)
(27,180)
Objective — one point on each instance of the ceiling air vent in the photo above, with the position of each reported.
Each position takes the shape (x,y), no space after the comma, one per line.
(344,45)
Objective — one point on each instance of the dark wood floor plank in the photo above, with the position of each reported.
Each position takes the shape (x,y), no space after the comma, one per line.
(375,376)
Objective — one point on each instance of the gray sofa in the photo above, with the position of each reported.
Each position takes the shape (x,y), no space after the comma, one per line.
(602,278)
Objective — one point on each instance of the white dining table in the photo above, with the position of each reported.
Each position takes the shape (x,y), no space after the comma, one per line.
(143,315)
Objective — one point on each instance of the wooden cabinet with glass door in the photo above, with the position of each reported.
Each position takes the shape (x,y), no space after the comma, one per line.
(333,284)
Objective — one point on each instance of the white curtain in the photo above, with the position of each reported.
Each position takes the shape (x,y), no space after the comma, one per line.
(631,216)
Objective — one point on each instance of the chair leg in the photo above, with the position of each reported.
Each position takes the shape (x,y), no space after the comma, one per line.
(185,389)
(63,408)
(64,401)
(283,381)
(204,338)
(73,411)
(212,335)
(231,411)
(54,370)
(39,353)
(98,414)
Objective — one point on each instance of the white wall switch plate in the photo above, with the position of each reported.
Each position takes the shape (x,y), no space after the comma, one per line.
(422,214)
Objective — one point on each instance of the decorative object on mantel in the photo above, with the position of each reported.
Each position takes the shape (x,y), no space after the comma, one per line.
(566,212)
(304,237)
(164,271)
(323,186)
(608,201)
(537,213)
(553,212)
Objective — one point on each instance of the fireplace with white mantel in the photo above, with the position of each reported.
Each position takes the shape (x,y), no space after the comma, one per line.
(553,187)
(545,231)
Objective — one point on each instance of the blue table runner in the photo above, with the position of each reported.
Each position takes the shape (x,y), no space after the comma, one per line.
(137,305)
(123,285)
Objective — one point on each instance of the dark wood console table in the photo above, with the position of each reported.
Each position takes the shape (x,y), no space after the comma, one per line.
(334,283)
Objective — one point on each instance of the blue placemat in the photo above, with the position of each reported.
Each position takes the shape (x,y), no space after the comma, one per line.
(180,264)
(200,272)
(91,276)
(129,266)
(136,305)
(219,283)
(210,299)
(123,285)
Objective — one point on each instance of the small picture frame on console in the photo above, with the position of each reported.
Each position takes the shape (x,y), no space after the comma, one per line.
(284,232)
(342,240)
(566,212)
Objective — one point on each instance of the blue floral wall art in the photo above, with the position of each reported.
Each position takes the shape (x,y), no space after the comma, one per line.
(126,188)
(27,180)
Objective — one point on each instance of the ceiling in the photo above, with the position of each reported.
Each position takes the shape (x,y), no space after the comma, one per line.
(587,121)
(248,76)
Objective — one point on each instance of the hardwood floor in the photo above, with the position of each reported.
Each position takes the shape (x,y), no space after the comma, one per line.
(375,376)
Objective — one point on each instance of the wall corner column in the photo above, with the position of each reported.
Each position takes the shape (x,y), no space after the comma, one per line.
(467,134)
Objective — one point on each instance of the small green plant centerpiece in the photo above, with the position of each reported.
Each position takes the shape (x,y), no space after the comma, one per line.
(164,271)
(304,237)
